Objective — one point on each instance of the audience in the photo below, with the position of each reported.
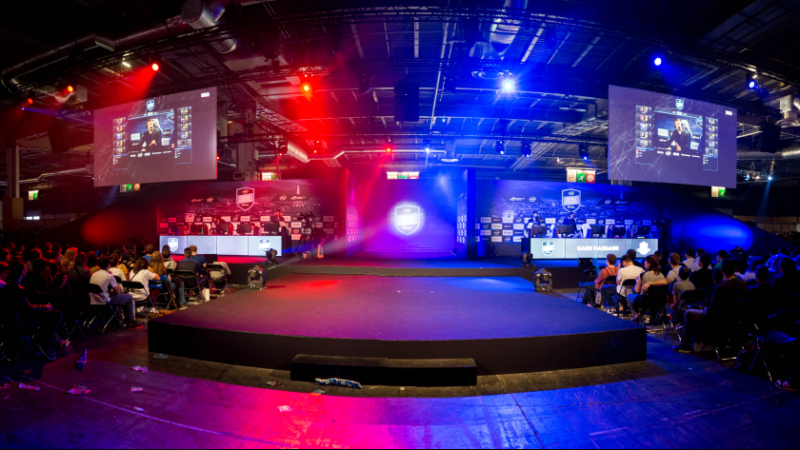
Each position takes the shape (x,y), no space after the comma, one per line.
(689,255)
(681,286)
(115,268)
(651,275)
(731,290)
(789,278)
(632,254)
(148,251)
(703,275)
(3,274)
(628,271)
(753,266)
(696,264)
(672,276)
(112,293)
(141,273)
(592,288)
(201,260)
(169,263)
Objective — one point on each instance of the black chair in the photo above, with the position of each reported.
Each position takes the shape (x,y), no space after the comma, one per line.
(588,275)
(135,286)
(689,300)
(655,301)
(783,330)
(99,311)
(192,283)
(731,328)
(18,338)
(217,275)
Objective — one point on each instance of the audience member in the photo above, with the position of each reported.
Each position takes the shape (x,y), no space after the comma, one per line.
(787,282)
(68,260)
(689,255)
(169,263)
(93,264)
(632,254)
(652,274)
(592,288)
(115,269)
(672,276)
(141,273)
(763,288)
(703,275)
(696,264)
(112,294)
(148,251)
(731,290)
(628,271)
(683,285)
(3,274)
(201,260)
(753,266)
(35,317)
(722,256)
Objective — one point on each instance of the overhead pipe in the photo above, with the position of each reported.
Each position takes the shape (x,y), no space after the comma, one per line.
(502,34)
(195,14)
(49,174)
(787,153)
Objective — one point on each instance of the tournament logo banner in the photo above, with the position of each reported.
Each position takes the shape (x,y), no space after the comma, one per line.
(679,103)
(264,245)
(571,199)
(151,105)
(407,219)
(245,198)
(548,248)
(173,244)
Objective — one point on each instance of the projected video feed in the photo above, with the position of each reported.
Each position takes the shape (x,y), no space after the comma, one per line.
(156,140)
(664,138)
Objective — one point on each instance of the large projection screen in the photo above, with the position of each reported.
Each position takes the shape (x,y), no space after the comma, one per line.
(157,140)
(663,138)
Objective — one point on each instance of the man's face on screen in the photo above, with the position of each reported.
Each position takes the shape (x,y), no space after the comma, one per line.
(679,126)
(151,126)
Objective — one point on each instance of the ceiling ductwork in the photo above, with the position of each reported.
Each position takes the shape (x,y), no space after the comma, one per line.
(790,104)
(195,14)
(501,34)
(198,15)
(787,153)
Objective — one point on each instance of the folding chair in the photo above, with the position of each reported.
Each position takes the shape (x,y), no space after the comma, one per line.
(691,298)
(191,283)
(223,280)
(19,338)
(588,275)
(99,310)
(783,325)
(75,314)
(655,301)
(731,328)
(131,286)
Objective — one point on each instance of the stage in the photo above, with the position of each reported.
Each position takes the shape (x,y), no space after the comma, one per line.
(566,273)
(499,322)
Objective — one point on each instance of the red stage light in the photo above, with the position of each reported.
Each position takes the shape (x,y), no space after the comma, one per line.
(217,158)
(306,87)
(70,89)
(30,101)
(155,67)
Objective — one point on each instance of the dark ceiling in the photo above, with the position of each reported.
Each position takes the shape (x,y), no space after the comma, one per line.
(563,54)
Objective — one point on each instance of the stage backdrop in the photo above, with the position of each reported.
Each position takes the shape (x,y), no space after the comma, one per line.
(254,202)
(411,218)
(503,207)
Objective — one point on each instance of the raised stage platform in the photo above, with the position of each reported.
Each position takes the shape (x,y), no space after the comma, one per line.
(499,322)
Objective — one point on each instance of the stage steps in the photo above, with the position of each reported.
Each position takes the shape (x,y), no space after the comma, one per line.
(387,372)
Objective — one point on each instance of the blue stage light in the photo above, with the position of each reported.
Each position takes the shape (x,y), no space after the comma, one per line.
(657,61)
(769,178)
(508,85)
(752,85)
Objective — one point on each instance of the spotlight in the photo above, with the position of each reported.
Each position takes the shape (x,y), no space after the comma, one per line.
(747,177)
(389,145)
(317,146)
(769,178)
(306,87)
(583,151)
(70,89)
(30,101)
(282,148)
(126,64)
(500,147)
(657,62)
(526,149)
(217,158)
(155,67)
(752,85)
(426,144)
(508,85)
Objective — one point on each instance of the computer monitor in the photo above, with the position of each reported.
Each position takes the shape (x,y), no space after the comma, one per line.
(566,230)
(598,230)
(272,227)
(198,228)
(619,231)
(538,230)
(245,228)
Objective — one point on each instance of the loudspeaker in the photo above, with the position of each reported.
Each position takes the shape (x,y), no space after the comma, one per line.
(406,101)
(60,140)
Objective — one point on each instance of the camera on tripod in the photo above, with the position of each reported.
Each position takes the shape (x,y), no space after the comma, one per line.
(307,219)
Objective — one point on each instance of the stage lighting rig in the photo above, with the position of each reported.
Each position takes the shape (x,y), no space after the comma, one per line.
(526,149)
(389,145)
(426,145)
(657,61)
(583,151)
(364,85)
(508,85)
(500,147)
(317,146)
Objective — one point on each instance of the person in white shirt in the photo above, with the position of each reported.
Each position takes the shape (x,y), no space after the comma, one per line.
(689,255)
(112,294)
(696,263)
(114,268)
(141,273)
(627,271)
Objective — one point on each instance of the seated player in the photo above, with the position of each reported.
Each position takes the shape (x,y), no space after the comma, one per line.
(151,139)
(681,137)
